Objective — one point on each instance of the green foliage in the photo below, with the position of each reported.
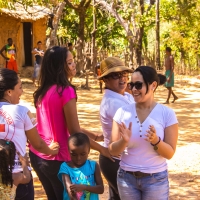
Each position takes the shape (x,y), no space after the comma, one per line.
(180,28)
(110,35)
(10,3)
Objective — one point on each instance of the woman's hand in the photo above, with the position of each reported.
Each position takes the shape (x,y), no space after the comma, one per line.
(125,132)
(54,146)
(151,135)
(24,160)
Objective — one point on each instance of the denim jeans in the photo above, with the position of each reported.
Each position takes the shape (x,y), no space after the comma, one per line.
(36,70)
(153,187)
(47,171)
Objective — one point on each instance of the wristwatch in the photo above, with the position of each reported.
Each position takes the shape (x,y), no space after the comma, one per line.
(155,145)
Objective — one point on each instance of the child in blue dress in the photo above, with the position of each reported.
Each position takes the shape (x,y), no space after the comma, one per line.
(81,177)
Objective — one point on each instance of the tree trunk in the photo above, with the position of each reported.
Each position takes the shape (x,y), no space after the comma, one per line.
(138,47)
(94,50)
(183,65)
(80,41)
(157,36)
(131,48)
(53,34)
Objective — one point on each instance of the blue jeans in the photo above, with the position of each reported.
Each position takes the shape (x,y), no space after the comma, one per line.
(36,70)
(153,187)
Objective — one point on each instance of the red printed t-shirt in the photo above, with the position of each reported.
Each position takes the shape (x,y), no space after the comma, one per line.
(51,121)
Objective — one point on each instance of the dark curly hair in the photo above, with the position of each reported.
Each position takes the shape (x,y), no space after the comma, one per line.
(54,71)
(79,139)
(8,80)
(7,157)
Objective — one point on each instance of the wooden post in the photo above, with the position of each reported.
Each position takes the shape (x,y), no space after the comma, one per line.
(158,35)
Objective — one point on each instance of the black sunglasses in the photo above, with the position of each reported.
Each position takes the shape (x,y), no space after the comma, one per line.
(137,85)
(118,75)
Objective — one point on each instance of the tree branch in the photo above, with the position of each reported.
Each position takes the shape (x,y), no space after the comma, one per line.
(87,4)
(82,3)
(115,14)
(71,5)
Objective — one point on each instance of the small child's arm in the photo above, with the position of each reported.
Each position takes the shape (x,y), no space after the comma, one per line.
(97,189)
(67,183)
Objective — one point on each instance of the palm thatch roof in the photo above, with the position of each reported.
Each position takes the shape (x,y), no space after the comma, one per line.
(28,13)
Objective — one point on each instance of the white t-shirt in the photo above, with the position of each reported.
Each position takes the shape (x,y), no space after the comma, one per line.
(110,103)
(139,154)
(14,121)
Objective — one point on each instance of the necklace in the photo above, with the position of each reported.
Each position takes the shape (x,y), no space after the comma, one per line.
(4,100)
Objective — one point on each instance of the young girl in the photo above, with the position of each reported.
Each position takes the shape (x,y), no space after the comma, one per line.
(8,179)
(81,177)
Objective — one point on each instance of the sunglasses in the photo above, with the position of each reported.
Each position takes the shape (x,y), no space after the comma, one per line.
(117,75)
(137,85)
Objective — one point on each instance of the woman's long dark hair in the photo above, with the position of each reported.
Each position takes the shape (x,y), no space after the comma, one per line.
(7,158)
(54,71)
(8,80)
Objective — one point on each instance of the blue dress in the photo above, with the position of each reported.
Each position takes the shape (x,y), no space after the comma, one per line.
(83,175)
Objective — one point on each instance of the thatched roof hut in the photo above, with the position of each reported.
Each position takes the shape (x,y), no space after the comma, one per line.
(26,26)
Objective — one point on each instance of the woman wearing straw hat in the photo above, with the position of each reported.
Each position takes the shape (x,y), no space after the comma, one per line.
(115,76)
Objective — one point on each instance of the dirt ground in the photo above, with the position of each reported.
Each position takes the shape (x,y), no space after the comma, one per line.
(184,167)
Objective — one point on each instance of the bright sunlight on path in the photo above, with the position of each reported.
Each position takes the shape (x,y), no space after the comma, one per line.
(184,167)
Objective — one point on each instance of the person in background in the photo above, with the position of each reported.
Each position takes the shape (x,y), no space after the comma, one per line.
(17,124)
(146,134)
(71,49)
(169,73)
(115,77)
(81,177)
(11,55)
(9,180)
(57,123)
(98,73)
(38,53)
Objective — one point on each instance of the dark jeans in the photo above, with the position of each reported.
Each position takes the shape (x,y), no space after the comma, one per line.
(25,191)
(47,171)
(109,170)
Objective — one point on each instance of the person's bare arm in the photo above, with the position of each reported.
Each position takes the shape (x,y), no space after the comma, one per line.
(98,188)
(71,118)
(15,51)
(1,52)
(67,183)
(34,51)
(25,176)
(119,138)
(95,136)
(167,147)
(39,144)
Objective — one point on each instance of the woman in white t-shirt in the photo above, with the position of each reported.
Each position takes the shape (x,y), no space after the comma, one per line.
(115,76)
(18,125)
(149,140)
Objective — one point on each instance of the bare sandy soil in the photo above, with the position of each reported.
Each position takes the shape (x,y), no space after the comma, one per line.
(184,167)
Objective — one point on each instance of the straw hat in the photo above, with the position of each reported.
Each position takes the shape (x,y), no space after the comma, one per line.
(112,64)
